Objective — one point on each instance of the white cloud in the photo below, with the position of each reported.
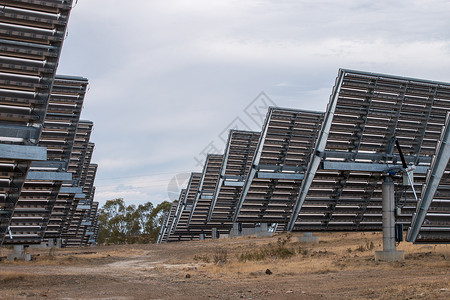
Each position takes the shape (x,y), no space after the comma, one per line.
(167,76)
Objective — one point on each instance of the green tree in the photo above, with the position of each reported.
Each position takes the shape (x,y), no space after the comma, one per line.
(112,221)
(155,220)
(120,223)
(144,212)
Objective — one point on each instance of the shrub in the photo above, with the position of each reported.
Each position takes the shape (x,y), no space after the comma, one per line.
(220,256)
(273,251)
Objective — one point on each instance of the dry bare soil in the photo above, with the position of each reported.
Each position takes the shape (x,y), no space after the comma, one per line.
(340,266)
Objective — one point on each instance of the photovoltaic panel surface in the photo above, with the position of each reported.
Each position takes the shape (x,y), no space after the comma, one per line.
(367,113)
(281,157)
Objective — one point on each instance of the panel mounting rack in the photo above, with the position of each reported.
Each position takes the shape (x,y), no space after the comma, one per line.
(431,221)
(181,230)
(58,135)
(238,157)
(80,160)
(174,216)
(76,230)
(284,149)
(208,185)
(356,147)
(31,38)
(168,219)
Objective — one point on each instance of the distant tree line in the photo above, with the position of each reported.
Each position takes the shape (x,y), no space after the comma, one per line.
(128,224)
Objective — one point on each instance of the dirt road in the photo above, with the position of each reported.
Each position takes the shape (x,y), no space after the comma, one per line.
(340,266)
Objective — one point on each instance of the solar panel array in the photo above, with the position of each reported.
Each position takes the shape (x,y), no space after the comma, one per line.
(367,114)
(272,185)
(313,171)
(39,118)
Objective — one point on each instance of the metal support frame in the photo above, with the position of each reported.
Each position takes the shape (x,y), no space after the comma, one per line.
(22,152)
(434,176)
(240,147)
(50,176)
(287,176)
(367,167)
(253,169)
(318,153)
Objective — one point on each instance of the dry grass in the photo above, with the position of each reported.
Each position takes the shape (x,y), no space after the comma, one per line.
(340,266)
(9,276)
(335,252)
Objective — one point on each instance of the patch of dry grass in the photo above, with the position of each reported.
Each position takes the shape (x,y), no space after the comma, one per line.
(9,276)
(334,252)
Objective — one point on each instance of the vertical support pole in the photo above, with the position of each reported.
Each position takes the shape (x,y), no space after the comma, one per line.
(389,252)
(214,233)
(388,214)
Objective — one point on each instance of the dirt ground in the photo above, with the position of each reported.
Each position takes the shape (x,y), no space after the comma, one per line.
(340,266)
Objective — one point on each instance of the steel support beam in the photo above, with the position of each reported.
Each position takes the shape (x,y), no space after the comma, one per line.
(49,176)
(83,206)
(318,152)
(233,183)
(21,152)
(252,171)
(287,176)
(28,133)
(366,167)
(437,170)
(71,190)
(51,164)
(374,156)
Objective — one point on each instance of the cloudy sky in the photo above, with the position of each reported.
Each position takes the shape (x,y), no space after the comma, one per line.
(169,77)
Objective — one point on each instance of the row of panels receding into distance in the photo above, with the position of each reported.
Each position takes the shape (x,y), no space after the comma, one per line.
(313,171)
(46,175)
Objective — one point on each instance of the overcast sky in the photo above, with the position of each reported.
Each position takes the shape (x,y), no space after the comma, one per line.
(168,78)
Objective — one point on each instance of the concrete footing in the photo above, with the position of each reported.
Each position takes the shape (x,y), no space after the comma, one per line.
(214,233)
(202,236)
(308,238)
(236,230)
(396,255)
(262,230)
(19,254)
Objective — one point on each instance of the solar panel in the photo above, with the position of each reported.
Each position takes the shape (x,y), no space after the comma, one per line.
(167,222)
(181,230)
(202,203)
(96,226)
(283,152)
(91,224)
(33,208)
(31,36)
(163,227)
(238,157)
(431,222)
(84,174)
(173,219)
(366,115)
(80,220)
(85,224)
